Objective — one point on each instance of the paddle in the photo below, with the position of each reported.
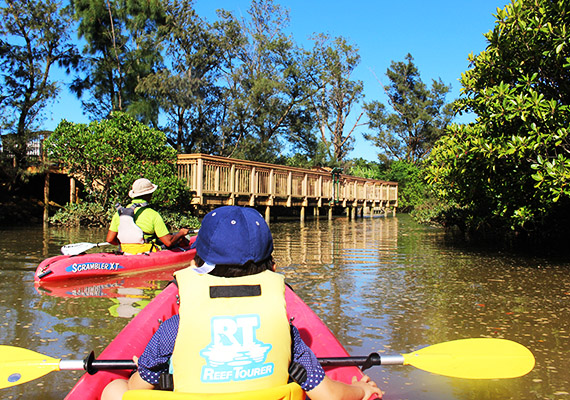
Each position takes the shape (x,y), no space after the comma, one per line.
(78,248)
(481,358)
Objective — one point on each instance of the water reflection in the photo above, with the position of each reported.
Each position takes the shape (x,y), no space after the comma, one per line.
(380,284)
(107,286)
(127,294)
(390,286)
(128,303)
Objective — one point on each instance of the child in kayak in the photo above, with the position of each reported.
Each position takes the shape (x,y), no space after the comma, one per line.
(232,333)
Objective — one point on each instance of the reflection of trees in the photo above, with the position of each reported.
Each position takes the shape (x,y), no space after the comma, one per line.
(393,286)
(324,262)
(437,294)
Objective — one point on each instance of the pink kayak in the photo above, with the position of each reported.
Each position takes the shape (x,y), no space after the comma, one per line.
(104,264)
(106,286)
(133,338)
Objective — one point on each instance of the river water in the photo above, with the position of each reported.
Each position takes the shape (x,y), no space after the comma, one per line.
(385,285)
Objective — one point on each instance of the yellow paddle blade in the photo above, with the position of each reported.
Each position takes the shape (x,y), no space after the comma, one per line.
(480,358)
(19,365)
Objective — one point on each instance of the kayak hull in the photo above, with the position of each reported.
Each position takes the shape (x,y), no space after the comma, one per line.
(94,265)
(106,286)
(132,340)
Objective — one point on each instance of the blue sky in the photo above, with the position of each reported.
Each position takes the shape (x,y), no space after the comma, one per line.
(439,34)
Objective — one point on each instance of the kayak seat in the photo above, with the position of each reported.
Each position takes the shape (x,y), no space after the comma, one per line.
(291,391)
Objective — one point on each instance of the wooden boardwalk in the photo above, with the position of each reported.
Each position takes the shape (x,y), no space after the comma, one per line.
(216,181)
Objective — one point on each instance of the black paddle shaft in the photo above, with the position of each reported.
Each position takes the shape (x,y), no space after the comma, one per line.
(91,365)
(364,362)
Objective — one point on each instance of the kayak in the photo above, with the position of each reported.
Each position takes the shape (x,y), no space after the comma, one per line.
(93,265)
(106,286)
(133,338)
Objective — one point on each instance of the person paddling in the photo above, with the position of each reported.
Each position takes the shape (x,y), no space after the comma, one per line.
(232,333)
(137,227)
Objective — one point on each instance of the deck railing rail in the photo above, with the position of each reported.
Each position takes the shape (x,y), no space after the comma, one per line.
(216,180)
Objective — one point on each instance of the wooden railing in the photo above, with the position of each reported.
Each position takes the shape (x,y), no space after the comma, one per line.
(216,180)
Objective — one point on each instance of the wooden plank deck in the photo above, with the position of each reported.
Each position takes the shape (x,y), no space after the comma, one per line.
(216,181)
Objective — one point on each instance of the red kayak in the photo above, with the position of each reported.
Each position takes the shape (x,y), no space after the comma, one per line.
(104,264)
(133,339)
(106,286)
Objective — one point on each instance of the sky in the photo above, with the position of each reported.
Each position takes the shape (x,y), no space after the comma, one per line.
(439,34)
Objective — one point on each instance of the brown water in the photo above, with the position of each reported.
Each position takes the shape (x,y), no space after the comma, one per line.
(382,284)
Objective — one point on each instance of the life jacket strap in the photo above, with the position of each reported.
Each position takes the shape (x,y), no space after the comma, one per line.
(131,212)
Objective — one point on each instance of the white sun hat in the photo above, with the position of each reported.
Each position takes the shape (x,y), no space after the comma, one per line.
(141,187)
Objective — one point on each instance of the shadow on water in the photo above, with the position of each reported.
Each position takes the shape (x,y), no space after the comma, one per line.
(381,284)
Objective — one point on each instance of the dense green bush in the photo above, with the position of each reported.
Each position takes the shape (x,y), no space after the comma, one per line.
(82,214)
(107,156)
(430,211)
(93,214)
(412,188)
(508,172)
(176,220)
(366,169)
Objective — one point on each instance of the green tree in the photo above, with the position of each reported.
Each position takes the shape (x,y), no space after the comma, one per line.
(333,62)
(317,155)
(366,169)
(34,39)
(418,117)
(509,170)
(185,87)
(268,90)
(121,49)
(412,188)
(109,155)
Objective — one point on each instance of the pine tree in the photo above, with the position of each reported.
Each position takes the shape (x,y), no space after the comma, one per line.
(418,117)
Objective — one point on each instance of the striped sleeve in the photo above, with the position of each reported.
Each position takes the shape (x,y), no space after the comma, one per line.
(303,355)
(156,357)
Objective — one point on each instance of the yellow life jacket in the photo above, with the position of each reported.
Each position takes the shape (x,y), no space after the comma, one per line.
(233,336)
(291,391)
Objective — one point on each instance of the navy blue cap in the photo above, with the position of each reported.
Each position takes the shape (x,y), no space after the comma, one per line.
(233,235)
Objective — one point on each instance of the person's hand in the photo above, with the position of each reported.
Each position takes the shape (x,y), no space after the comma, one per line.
(368,385)
(184,240)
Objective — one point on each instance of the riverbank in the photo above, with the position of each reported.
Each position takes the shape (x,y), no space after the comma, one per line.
(20,210)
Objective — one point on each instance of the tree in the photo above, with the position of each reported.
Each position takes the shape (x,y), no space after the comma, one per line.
(509,170)
(35,39)
(268,89)
(366,169)
(333,62)
(185,88)
(121,49)
(412,188)
(418,118)
(109,155)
